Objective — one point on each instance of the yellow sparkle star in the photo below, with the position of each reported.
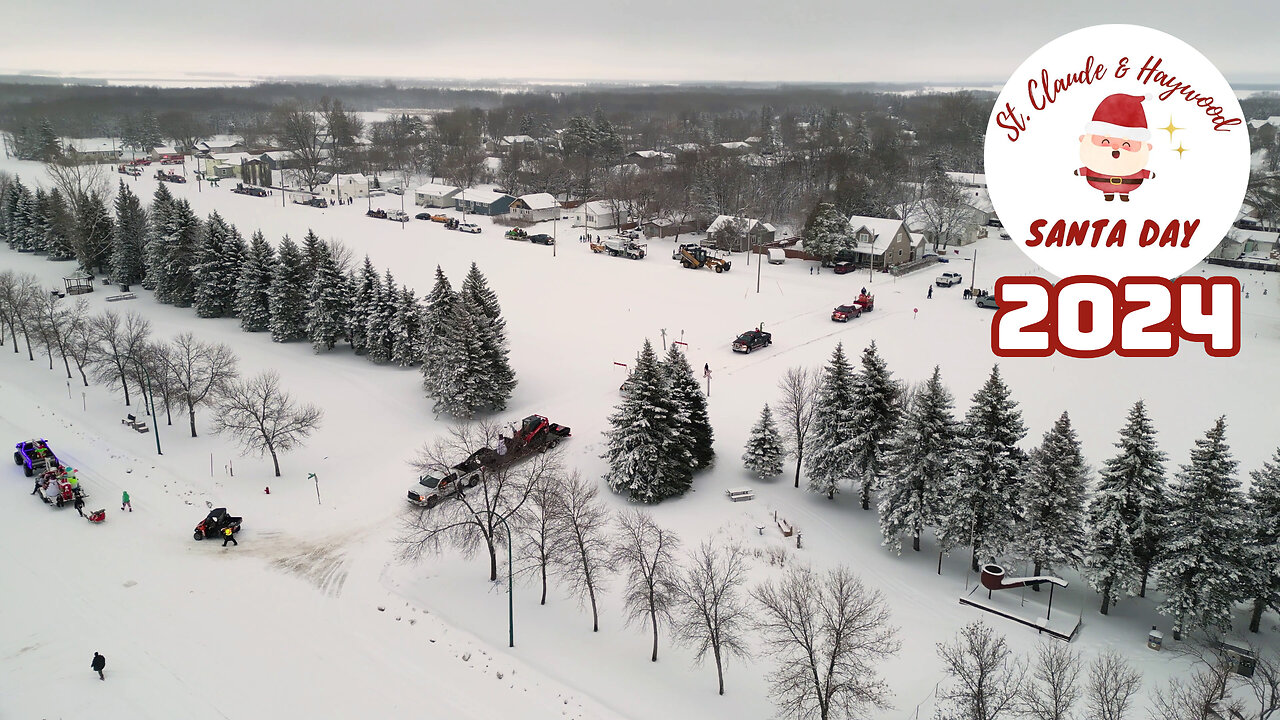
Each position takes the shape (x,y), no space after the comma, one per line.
(1171,128)
(1179,150)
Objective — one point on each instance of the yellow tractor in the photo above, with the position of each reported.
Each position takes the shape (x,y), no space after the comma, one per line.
(695,257)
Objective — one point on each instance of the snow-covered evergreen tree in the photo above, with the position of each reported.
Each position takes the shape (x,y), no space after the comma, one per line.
(219,260)
(128,265)
(59,225)
(8,211)
(694,426)
(24,210)
(982,509)
(377,322)
(173,252)
(154,250)
(38,230)
(253,287)
(364,283)
(648,461)
(313,249)
(459,388)
(875,419)
(288,303)
(491,328)
(1124,516)
(437,309)
(406,330)
(919,464)
(831,455)
(94,230)
(1051,524)
(765,452)
(1263,552)
(1202,568)
(827,233)
(476,287)
(327,300)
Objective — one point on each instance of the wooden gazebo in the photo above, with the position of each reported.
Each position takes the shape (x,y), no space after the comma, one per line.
(78,283)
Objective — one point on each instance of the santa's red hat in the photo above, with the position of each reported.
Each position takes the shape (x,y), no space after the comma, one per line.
(1121,116)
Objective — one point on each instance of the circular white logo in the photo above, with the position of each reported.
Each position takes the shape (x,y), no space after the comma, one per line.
(1117,150)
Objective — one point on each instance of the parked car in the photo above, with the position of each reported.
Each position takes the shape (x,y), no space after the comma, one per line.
(398,215)
(947,279)
(844,267)
(986,301)
(422,216)
(395,190)
(752,340)
(542,239)
(469,228)
(441,217)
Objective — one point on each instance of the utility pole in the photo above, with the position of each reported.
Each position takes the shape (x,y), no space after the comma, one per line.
(973,271)
(758,266)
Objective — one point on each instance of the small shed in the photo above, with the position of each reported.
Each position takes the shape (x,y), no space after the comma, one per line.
(536,207)
(78,283)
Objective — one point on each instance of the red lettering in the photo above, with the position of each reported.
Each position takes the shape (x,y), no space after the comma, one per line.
(1117,234)
(1036,238)
(1150,231)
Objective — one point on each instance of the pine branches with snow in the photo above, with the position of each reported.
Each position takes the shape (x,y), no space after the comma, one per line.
(831,455)
(693,423)
(875,418)
(128,265)
(1051,524)
(919,464)
(1263,552)
(765,452)
(219,260)
(253,286)
(327,300)
(648,460)
(288,294)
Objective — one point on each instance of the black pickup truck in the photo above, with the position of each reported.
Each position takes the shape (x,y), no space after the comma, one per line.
(752,340)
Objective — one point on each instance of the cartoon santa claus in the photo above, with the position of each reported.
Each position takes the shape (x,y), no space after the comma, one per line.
(1114,148)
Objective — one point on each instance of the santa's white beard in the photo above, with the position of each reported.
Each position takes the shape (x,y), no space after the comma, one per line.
(1099,159)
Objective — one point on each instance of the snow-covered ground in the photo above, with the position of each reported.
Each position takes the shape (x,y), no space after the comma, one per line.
(312,616)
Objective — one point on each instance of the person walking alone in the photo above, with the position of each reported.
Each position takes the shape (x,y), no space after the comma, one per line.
(124,502)
(79,505)
(98,664)
(228,536)
(930,295)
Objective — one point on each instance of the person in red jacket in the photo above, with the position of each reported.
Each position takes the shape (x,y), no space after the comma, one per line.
(1114,148)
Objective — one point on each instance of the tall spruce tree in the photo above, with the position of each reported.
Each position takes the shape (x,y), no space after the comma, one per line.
(364,282)
(377,324)
(437,309)
(327,300)
(24,208)
(406,330)
(313,249)
(876,415)
(919,462)
(1263,552)
(648,461)
(765,452)
(173,251)
(288,294)
(94,232)
(501,379)
(1202,569)
(157,219)
(831,454)
(253,287)
(219,259)
(1051,524)
(59,224)
(38,230)
(1125,528)
(458,389)
(694,424)
(476,287)
(983,507)
(9,210)
(128,264)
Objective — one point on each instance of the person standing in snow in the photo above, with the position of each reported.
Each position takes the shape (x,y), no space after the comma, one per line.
(930,295)
(79,505)
(99,662)
(228,537)
(124,502)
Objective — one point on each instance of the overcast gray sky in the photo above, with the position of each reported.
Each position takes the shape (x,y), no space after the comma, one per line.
(676,40)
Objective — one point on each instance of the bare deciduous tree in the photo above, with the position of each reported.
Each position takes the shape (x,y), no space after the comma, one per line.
(1265,685)
(711,612)
(799,389)
(1201,697)
(581,530)
(200,370)
(472,517)
(81,342)
(159,382)
(18,297)
(829,634)
(116,346)
(301,130)
(645,552)
(1053,686)
(1113,684)
(57,321)
(79,179)
(538,550)
(987,678)
(263,418)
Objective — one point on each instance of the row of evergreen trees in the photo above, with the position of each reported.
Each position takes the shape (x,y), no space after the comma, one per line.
(295,292)
(1208,544)
(51,223)
(660,434)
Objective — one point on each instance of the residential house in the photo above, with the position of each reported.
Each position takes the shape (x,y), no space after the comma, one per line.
(649,159)
(209,147)
(479,201)
(504,144)
(968,180)
(280,159)
(92,151)
(435,195)
(737,234)
(344,186)
(600,214)
(1248,245)
(536,207)
(225,165)
(736,147)
(1273,121)
(667,227)
(685,152)
(881,242)
(970,224)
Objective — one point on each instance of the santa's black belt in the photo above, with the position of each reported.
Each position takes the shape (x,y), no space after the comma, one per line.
(1114,180)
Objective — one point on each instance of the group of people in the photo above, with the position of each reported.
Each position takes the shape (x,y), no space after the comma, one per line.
(58,485)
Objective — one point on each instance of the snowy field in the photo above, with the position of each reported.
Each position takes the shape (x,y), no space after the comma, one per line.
(311,615)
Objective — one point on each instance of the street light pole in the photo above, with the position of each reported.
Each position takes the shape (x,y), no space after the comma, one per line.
(155,419)
(511,607)
(973,271)
(758,265)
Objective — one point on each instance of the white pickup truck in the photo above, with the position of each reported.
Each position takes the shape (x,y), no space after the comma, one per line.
(433,487)
(947,279)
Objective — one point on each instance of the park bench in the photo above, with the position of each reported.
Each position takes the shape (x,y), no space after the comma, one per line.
(740,494)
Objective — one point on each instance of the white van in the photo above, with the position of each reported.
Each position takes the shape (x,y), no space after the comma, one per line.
(777,256)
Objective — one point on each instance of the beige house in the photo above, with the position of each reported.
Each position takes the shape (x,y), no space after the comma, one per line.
(535,207)
(435,195)
(882,242)
(600,214)
(345,186)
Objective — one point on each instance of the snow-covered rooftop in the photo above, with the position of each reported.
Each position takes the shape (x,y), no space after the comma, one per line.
(882,231)
(968,179)
(436,189)
(722,220)
(348,179)
(480,195)
(516,139)
(539,201)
